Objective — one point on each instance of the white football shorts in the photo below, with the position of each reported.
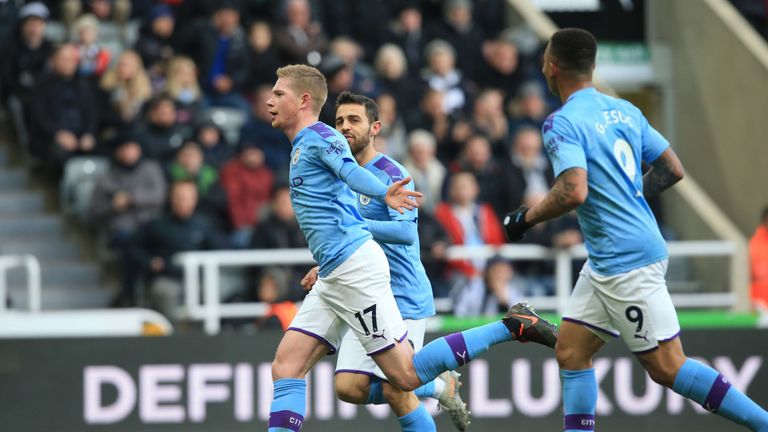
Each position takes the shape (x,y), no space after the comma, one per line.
(353,358)
(634,305)
(355,296)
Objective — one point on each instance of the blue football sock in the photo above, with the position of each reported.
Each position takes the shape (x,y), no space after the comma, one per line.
(457,349)
(376,393)
(425,391)
(579,399)
(417,420)
(706,386)
(288,405)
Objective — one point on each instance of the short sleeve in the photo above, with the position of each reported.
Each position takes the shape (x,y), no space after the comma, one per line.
(654,144)
(562,145)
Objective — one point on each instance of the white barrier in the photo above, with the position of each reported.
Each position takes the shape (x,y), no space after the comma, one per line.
(210,310)
(32,266)
(83,323)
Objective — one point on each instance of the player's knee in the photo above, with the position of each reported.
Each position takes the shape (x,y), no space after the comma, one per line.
(405,382)
(571,358)
(282,369)
(350,391)
(662,375)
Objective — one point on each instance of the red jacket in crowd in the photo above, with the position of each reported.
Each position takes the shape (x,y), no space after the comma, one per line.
(248,189)
(488,226)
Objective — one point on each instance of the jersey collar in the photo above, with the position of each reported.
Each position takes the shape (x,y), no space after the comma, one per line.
(582,92)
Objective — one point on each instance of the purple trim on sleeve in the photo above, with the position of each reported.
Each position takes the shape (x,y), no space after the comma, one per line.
(331,348)
(458,348)
(716,394)
(286,419)
(322,129)
(592,326)
(579,422)
(388,167)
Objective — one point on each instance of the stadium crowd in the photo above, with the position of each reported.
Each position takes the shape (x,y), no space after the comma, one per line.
(460,95)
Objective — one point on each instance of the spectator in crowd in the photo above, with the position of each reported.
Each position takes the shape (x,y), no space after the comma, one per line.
(488,118)
(501,68)
(278,229)
(181,84)
(501,288)
(459,30)
(221,51)
(758,255)
(127,86)
(64,111)
(476,158)
(340,78)
(116,11)
(526,171)
(470,223)
(300,40)
(363,75)
(434,242)
(264,57)
(366,23)
(407,32)
(25,53)
(529,108)
(94,59)
(159,132)
(181,229)
(216,149)
(393,137)
(272,288)
(392,72)
(431,117)
(258,129)
(427,171)
(248,183)
(130,194)
(155,44)
(189,165)
(442,75)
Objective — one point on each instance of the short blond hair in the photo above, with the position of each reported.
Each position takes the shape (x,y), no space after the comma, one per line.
(306,79)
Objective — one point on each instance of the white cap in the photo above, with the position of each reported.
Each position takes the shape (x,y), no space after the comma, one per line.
(34,9)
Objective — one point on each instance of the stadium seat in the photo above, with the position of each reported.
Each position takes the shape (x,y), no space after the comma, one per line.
(78,182)
(230,121)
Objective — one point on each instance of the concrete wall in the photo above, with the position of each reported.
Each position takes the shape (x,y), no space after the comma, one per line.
(718,96)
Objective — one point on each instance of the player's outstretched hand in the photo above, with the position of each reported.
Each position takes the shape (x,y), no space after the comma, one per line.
(515,225)
(309,279)
(400,198)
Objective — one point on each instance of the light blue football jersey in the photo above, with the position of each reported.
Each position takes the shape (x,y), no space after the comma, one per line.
(410,285)
(325,206)
(610,138)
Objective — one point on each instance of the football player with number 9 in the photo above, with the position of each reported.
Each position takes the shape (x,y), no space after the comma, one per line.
(596,144)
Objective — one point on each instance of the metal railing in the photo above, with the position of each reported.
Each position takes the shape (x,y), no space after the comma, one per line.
(32,266)
(209,309)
